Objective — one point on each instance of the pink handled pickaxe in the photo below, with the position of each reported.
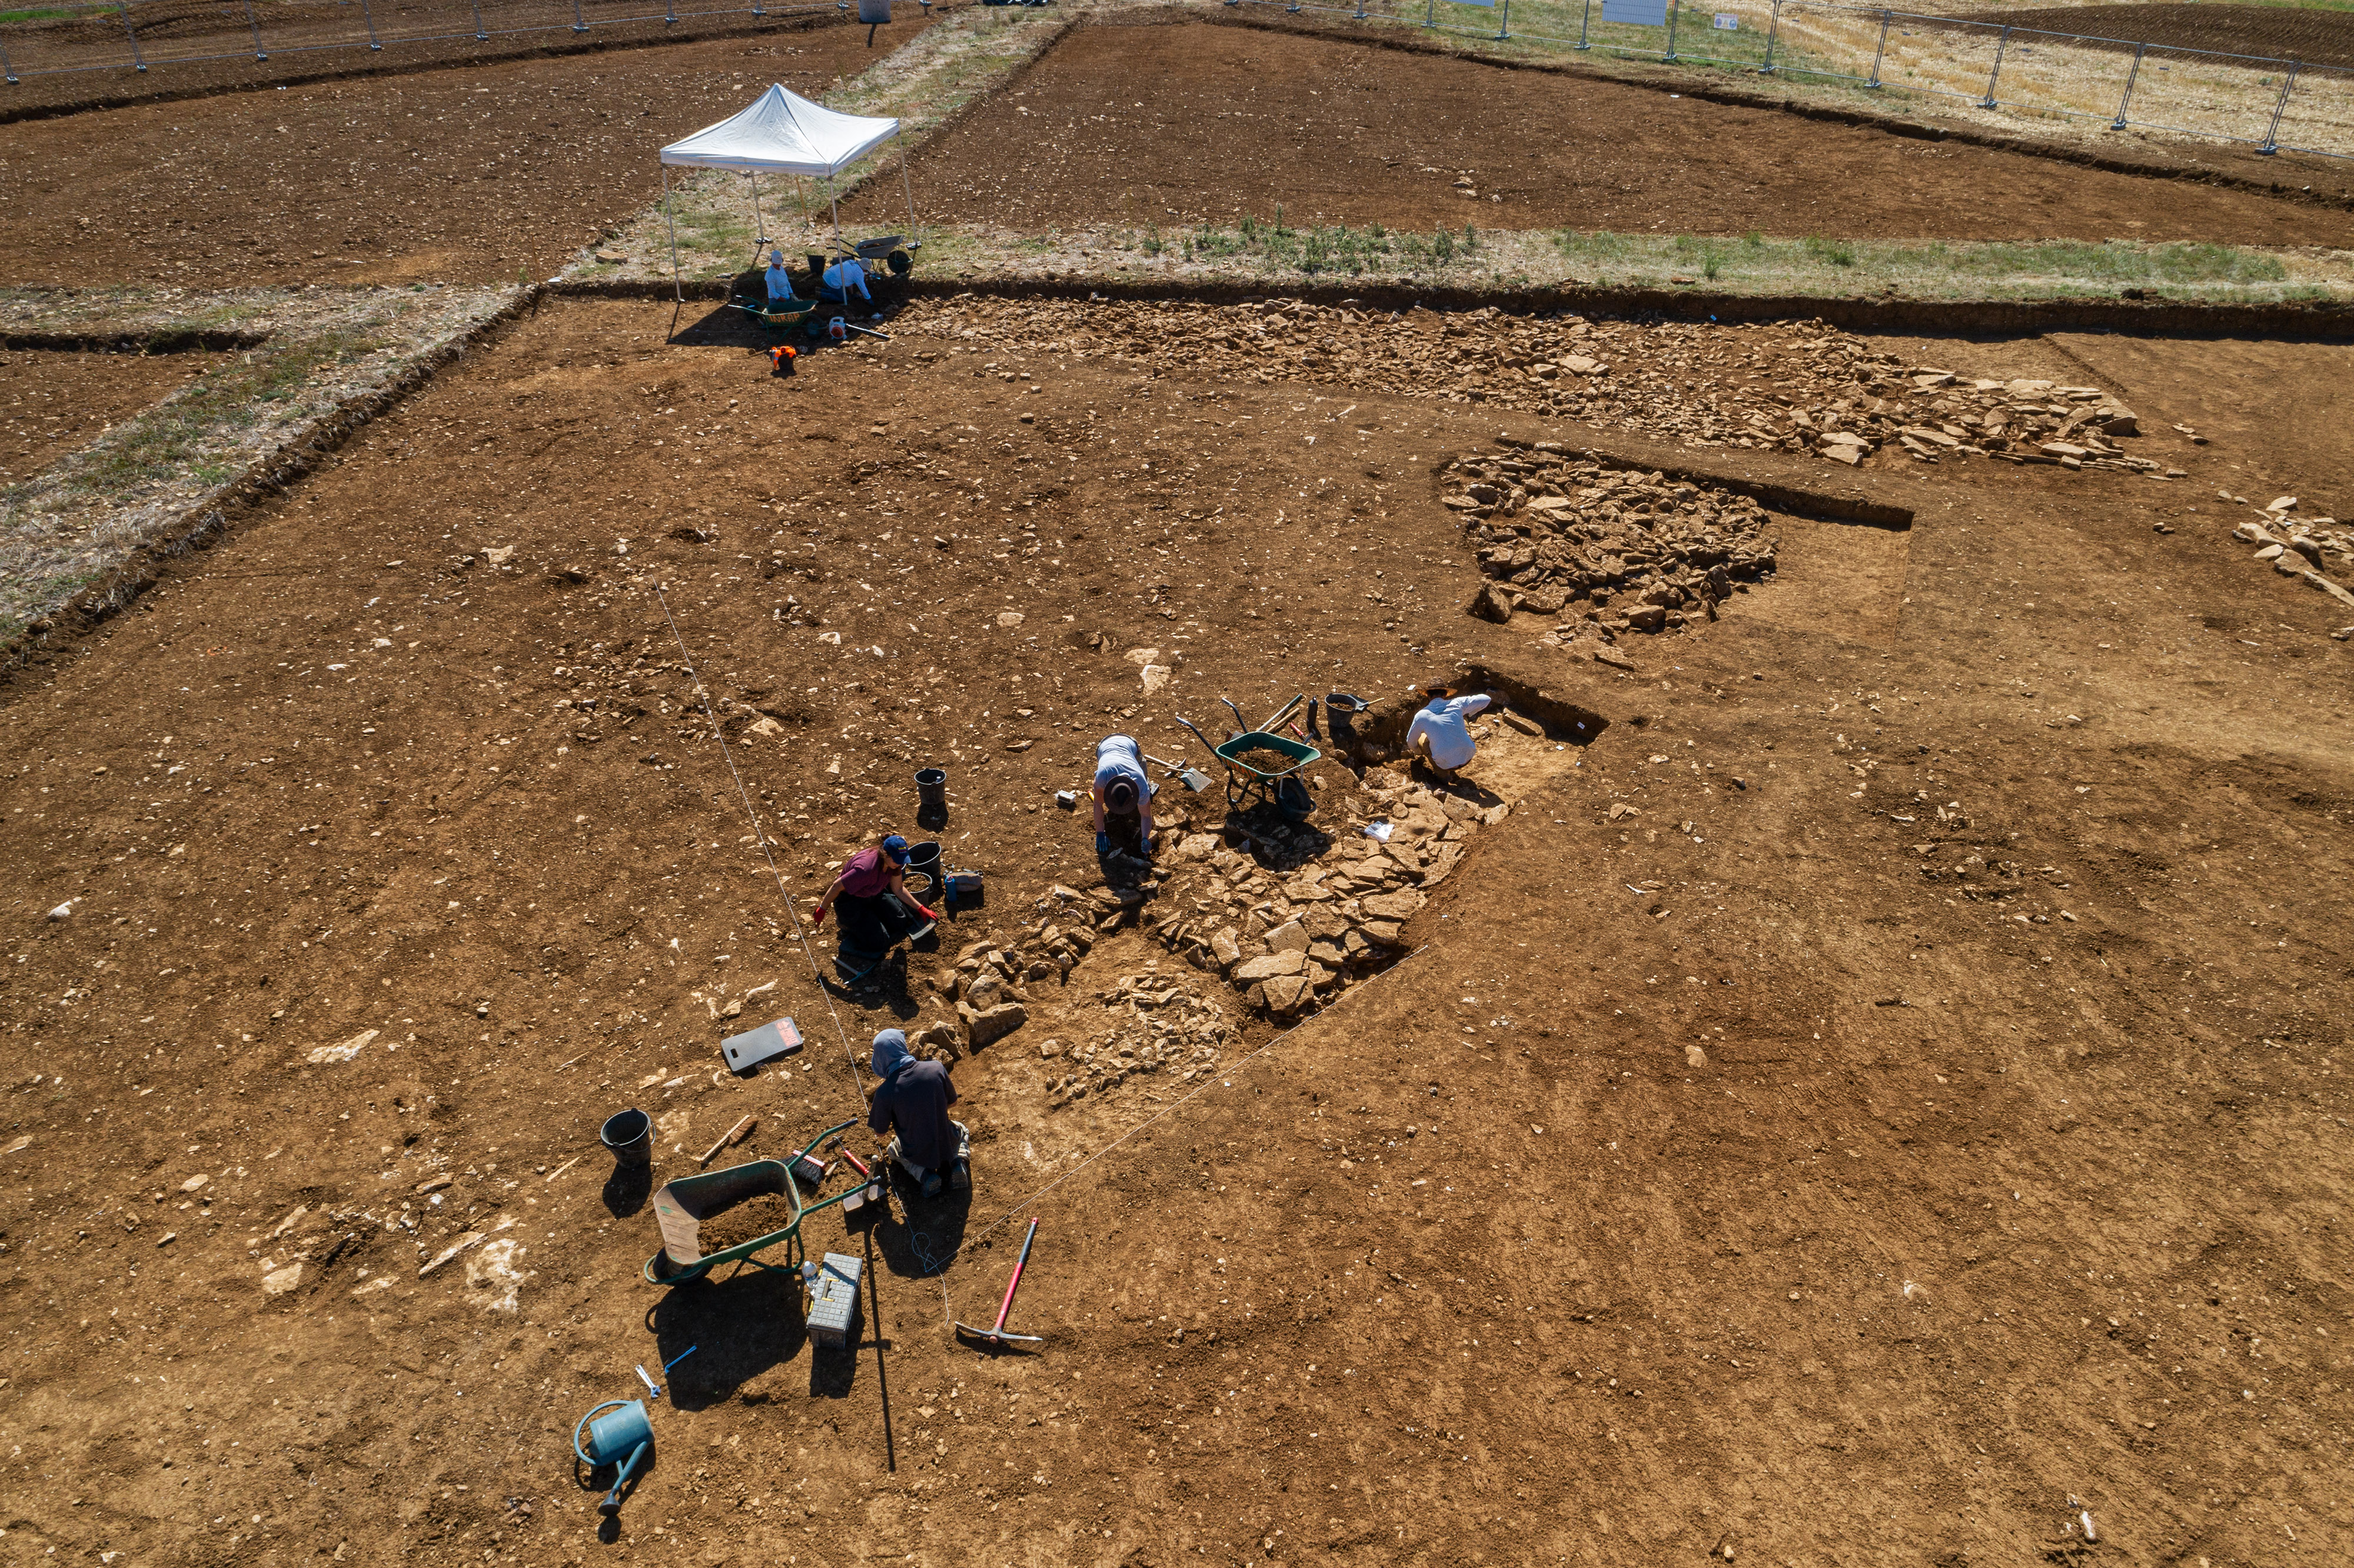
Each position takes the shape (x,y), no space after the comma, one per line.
(996,1334)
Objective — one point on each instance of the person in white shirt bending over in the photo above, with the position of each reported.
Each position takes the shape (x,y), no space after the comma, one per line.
(780,282)
(840,278)
(1437,736)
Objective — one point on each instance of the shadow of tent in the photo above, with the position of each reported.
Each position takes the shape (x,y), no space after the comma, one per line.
(726,325)
(739,1326)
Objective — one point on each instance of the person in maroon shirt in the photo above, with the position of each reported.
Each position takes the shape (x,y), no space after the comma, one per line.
(879,912)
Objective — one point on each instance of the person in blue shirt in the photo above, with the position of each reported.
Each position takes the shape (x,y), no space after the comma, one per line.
(1123,798)
(839,280)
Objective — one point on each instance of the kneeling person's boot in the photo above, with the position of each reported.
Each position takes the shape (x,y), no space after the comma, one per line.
(961,1175)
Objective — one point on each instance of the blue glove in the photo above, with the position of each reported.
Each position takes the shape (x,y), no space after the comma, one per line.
(1103,844)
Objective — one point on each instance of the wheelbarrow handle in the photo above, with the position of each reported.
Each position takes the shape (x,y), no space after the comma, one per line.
(1241,724)
(1205,739)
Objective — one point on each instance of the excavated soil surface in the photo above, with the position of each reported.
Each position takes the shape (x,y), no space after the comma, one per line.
(2280,32)
(1888,1087)
(52,403)
(1381,136)
(471,174)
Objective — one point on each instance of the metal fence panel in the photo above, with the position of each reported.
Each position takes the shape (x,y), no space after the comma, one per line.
(2319,113)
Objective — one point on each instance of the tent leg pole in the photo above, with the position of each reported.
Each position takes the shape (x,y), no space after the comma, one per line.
(915,230)
(677,289)
(831,197)
(759,238)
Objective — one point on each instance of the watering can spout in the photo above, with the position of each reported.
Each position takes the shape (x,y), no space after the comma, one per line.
(612,1503)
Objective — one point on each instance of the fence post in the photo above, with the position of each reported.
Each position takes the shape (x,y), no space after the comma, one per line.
(132,34)
(1584,16)
(580,23)
(1674,9)
(2272,133)
(480,35)
(2000,44)
(1773,31)
(368,13)
(255,28)
(2119,123)
(1877,54)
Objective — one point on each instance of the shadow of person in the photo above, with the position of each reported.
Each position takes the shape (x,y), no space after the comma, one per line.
(739,1327)
(1469,790)
(921,1235)
(626,1190)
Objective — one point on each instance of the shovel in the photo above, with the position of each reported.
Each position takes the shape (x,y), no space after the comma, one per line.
(995,1334)
(1193,778)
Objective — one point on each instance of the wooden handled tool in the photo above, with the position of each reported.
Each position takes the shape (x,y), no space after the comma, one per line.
(730,1136)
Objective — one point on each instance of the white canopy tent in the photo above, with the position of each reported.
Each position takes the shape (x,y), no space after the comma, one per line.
(782,133)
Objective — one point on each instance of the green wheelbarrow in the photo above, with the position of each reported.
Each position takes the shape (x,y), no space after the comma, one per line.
(1263,769)
(776,315)
(684,1203)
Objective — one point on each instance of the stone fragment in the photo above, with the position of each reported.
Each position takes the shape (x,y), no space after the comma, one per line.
(1491,603)
(1394,906)
(1288,993)
(1289,937)
(984,1027)
(1225,948)
(1269,964)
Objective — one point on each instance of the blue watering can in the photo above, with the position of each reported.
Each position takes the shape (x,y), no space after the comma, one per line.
(623,1438)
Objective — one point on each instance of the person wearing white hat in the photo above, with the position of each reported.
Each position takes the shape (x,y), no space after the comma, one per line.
(839,281)
(780,282)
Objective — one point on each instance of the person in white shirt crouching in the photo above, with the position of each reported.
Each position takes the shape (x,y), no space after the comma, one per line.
(1438,738)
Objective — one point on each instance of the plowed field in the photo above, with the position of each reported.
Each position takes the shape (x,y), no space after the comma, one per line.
(53,403)
(2310,33)
(465,175)
(1333,132)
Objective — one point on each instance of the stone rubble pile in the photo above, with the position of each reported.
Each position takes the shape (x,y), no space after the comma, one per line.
(1294,935)
(1288,936)
(1639,552)
(2306,548)
(1793,386)
(1156,1024)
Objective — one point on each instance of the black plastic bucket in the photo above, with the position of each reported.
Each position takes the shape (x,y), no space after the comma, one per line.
(630,1136)
(932,792)
(924,862)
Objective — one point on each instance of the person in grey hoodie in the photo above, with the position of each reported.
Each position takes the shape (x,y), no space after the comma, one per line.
(911,1104)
